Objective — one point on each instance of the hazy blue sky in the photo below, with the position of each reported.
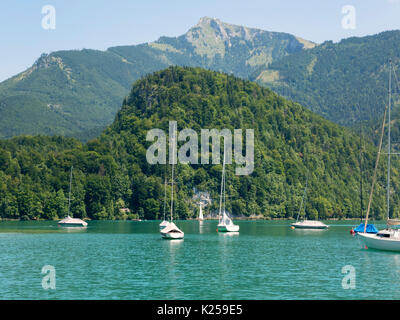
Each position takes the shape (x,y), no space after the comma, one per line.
(99,24)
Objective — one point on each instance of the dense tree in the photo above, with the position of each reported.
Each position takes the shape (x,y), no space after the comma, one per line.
(111,172)
(345,82)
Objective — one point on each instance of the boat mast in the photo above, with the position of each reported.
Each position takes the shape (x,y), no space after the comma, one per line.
(224,210)
(70,184)
(304,194)
(222,185)
(165,192)
(375,170)
(361,169)
(172,182)
(389,148)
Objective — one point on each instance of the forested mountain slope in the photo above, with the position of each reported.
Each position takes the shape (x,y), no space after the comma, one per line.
(344,82)
(111,171)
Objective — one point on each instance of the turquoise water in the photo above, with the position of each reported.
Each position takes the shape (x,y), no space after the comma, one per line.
(129,260)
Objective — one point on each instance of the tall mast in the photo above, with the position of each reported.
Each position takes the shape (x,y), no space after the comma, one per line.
(375,170)
(70,184)
(389,148)
(172,182)
(361,170)
(222,184)
(304,194)
(165,192)
(224,193)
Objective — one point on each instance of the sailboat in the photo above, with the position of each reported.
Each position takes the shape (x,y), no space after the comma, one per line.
(70,221)
(225,223)
(164,223)
(389,238)
(201,217)
(307,224)
(171,231)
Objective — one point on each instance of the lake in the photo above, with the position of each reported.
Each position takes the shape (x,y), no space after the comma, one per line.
(129,260)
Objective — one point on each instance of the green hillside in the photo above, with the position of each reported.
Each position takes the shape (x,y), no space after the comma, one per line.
(77,93)
(344,82)
(111,171)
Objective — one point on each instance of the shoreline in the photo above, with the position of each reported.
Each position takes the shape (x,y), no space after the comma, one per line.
(251,218)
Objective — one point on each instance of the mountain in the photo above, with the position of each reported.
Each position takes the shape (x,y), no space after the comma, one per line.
(111,172)
(77,93)
(344,82)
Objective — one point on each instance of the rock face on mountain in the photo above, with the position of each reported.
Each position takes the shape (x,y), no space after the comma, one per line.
(231,48)
(78,92)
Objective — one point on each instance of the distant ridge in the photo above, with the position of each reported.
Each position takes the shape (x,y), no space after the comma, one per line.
(71,92)
(344,81)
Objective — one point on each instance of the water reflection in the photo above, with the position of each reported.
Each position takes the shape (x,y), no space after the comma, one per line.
(309,231)
(396,259)
(174,243)
(229,234)
(201,226)
(72,229)
(172,265)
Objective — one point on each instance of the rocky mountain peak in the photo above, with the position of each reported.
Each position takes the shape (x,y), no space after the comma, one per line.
(211,36)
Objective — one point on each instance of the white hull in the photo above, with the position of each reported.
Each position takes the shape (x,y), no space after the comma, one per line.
(228,228)
(171,232)
(309,225)
(72,222)
(374,241)
(173,235)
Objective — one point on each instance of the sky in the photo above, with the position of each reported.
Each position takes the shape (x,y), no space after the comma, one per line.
(99,24)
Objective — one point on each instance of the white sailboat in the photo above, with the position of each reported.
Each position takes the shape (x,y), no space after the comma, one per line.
(171,231)
(389,238)
(307,224)
(164,223)
(225,223)
(70,221)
